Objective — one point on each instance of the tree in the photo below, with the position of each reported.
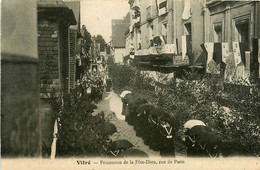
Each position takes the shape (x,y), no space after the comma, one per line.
(86,37)
(100,39)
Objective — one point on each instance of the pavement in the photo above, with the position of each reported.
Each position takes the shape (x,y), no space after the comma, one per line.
(111,105)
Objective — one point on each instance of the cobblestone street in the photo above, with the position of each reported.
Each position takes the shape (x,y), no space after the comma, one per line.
(111,106)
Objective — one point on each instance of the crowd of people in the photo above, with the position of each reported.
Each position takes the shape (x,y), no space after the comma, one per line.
(93,83)
(150,123)
(156,127)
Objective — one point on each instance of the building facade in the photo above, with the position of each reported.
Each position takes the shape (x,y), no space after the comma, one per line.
(192,33)
(56,47)
(163,30)
(118,43)
(235,23)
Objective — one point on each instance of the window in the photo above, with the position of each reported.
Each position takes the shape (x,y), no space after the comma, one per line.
(151,32)
(187,29)
(217,33)
(138,39)
(164,30)
(188,33)
(242,32)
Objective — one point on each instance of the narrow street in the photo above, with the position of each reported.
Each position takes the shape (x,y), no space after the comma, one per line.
(110,104)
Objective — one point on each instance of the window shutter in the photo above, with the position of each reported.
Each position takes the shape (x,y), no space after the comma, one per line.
(72,58)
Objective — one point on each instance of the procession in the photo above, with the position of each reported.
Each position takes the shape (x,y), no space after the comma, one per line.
(150,82)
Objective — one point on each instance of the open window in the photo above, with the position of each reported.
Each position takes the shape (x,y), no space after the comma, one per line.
(151,34)
(217,32)
(242,32)
(164,30)
(188,33)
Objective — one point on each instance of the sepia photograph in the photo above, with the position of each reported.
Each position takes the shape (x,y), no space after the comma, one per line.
(130,84)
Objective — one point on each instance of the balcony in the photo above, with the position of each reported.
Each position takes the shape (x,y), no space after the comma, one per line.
(163,54)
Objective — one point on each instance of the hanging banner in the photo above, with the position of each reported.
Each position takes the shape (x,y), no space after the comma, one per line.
(240,71)
(187,10)
(259,57)
(247,60)
(237,54)
(184,46)
(169,49)
(210,48)
(225,52)
(162,7)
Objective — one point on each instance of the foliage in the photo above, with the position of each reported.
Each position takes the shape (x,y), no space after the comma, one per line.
(79,132)
(206,97)
(99,39)
(86,37)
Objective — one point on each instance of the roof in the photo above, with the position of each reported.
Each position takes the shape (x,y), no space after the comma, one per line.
(51,3)
(54,5)
(118,31)
(75,6)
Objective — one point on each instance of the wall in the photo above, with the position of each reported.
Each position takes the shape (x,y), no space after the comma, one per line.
(48,56)
(20,125)
(197,28)
(227,13)
(118,55)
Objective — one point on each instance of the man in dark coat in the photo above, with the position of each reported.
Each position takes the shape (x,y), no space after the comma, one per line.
(132,109)
(142,119)
(167,137)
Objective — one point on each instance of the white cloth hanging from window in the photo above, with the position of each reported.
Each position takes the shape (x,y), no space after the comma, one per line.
(187,10)
(184,46)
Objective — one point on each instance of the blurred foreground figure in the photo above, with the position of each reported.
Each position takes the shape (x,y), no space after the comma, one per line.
(20,134)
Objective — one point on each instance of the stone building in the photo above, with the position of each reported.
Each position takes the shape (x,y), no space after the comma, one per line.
(237,24)
(56,47)
(119,27)
(163,34)
(192,33)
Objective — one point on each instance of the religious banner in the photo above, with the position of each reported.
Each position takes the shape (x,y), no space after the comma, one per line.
(259,57)
(247,53)
(225,52)
(237,54)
